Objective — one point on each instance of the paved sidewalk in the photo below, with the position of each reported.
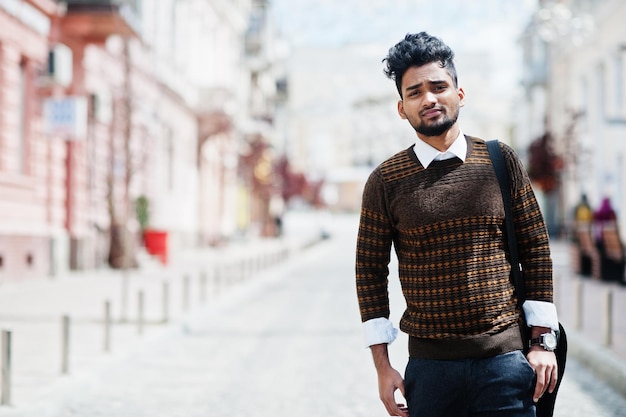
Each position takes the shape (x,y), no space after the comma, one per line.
(33,311)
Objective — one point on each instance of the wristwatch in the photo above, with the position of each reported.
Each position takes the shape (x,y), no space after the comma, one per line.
(548,341)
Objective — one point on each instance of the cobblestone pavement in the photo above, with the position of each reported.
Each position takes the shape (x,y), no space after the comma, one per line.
(286,342)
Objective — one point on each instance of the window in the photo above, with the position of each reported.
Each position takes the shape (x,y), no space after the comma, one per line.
(169,157)
(22,116)
(619,82)
(2,105)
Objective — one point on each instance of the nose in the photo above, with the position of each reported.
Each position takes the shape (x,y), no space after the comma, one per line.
(429,99)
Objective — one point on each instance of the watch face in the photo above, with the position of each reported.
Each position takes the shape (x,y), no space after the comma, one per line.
(549,341)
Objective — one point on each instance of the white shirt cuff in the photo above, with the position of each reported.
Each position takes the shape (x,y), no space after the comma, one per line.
(379,330)
(541,314)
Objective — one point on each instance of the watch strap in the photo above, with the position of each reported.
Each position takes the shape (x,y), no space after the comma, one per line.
(540,341)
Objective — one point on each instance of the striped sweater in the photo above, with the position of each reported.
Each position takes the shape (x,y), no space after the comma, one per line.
(446,224)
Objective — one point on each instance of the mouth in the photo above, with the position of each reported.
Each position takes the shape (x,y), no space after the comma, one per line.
(430,113)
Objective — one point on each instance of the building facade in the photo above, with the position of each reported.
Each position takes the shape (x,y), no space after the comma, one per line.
(32,173)
(107,103)
(574,80)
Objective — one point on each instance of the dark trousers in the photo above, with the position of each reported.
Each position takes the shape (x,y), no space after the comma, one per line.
(499,386)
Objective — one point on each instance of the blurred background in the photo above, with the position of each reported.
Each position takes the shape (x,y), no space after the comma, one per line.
(126,124)
(145,144)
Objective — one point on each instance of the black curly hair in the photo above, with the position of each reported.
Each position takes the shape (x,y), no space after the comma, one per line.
(417,49)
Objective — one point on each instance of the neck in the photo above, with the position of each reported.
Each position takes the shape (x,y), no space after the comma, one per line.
(441,142)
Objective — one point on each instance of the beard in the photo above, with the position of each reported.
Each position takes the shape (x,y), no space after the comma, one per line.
(438,128)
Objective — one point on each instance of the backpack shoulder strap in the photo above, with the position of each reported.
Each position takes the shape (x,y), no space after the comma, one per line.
(499,165)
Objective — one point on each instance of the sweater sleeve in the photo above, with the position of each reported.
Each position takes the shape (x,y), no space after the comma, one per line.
(374,242)
(530,228)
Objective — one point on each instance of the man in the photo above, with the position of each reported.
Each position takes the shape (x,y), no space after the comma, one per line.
(439,204)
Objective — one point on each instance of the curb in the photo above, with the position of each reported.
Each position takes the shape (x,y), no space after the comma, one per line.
(602,362)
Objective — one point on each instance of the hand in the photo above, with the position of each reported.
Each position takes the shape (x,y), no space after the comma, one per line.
(390,380)
(545,366)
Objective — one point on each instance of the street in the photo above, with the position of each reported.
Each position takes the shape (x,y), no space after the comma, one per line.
(285,342)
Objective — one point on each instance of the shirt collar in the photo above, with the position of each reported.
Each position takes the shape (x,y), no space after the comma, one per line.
(427,154)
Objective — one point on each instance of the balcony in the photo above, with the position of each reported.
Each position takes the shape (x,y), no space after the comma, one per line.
(96,20)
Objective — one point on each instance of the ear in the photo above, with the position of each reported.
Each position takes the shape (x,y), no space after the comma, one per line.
(401,109)
(461,96)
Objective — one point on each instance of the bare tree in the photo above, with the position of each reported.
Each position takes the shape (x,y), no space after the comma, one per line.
(122,250)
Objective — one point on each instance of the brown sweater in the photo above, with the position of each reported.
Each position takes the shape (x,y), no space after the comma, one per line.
(447,227)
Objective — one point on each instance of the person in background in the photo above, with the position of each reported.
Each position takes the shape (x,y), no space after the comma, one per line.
(438,203)
(603,217)
(586,251)
(583,213)
(608,242)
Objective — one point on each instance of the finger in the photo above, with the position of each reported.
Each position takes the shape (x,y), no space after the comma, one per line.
(403,410)
(395,409)
(553,380)
(390,404)
(392,407)
(540,385)
(389,407)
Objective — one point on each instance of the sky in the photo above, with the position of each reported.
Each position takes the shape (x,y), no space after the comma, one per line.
(333,23)
(473,28)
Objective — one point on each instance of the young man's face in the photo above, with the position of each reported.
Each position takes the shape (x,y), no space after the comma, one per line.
(430,102)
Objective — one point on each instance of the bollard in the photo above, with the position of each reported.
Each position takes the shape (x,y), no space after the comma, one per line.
(246,267)
(608,319)
(217,278)
(257,263)
(202,287)
(107,326)
(227,274)
(579,304)
(555,291)
(241,266)
(65,345)
(186,292)
(125,290)
(166,302)
(140,317)
(5,382)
